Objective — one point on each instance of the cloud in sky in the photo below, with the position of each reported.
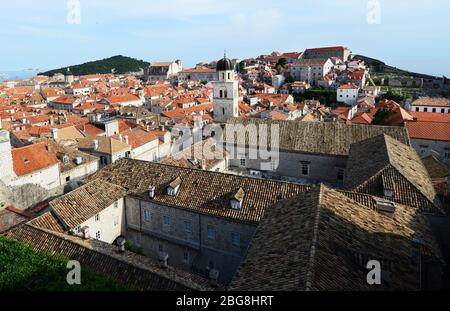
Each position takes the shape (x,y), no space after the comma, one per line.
(412,31)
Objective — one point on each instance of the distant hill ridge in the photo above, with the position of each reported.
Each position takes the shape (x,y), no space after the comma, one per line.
(381,67)
(120,64)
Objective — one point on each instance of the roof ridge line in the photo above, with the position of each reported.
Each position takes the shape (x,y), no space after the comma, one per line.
(81,243)
(312,254)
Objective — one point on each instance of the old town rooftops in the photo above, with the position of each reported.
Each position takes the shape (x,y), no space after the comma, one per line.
(316,137)
(339,235)
(85,202)
(311,62)
(132,270)
(432,101)
(387,168)
(29,159)
(199,191)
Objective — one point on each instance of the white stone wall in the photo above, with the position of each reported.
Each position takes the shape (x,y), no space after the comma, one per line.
(147,152)
(47,178)
(119,155)
(429,109)
(425,147)
(134,103)
(347,96)
(6,162)
(80,172)
(110,225)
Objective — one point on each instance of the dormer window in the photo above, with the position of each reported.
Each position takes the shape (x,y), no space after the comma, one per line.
(238,198)
(174,187)
(386,208)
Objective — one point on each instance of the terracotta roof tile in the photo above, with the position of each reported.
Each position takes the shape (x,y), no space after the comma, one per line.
(29,159)
(319,137)
(85,202)
(339,235)
(200,191)
(384,163)
(429,130)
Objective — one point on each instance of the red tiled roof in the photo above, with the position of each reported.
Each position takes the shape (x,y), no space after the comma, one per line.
(429,130)
(349,87)
(244,107)
(125,125)
(363,118)
(327,49)
(90,130)
(399,117)
(29,159)
(122,98)
(385,103)
(431,116)
(199,70)
(65,100)
(137,137)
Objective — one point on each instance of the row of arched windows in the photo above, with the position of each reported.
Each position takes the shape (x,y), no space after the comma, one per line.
(223,76)
(223,94)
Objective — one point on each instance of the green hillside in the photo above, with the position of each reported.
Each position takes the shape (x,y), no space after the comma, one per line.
(121,64)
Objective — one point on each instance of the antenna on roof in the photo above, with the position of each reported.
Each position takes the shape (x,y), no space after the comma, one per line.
(225,53)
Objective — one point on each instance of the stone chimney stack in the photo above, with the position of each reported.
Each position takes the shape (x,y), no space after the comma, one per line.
(54,133)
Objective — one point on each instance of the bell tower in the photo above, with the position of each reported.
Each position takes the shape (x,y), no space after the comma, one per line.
(225,92)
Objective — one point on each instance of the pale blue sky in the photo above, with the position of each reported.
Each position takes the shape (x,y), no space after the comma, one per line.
(413,34)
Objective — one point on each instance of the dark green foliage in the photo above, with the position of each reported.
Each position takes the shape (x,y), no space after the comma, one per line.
(289,79)
(281,62)
(391,95)
(280,65)
(324,96)
(121,64)
(381,116)
(241,66)
(129,246)
(22,268)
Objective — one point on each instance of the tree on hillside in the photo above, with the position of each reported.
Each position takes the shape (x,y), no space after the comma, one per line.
(241,66)
(391,95)
(282,62)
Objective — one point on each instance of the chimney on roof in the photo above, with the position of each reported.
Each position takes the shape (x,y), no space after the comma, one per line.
(151,192)
(120,137)
(78,160)
(85,232)
(126,139)
(214,276)
(121,245)
(54,133)
(163,260)
(65,158)
(203,161)
(95,144)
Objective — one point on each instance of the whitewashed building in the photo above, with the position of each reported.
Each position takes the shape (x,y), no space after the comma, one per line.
(348,94)
(311,70)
